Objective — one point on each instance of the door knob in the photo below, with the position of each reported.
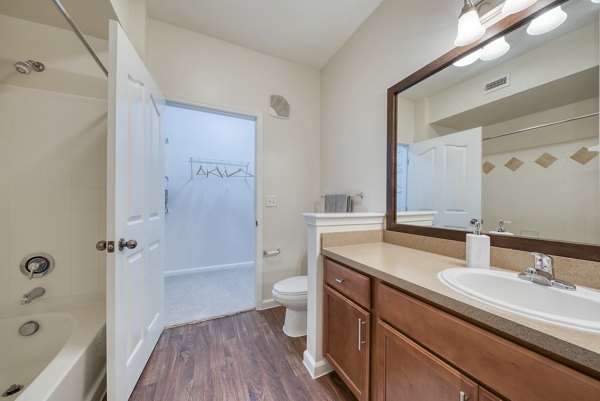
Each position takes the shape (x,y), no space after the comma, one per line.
(131,244)
(108,246)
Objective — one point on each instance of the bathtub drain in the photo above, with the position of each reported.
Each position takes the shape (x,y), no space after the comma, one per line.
(13,389)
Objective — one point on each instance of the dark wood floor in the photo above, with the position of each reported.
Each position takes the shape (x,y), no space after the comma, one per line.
(236,358)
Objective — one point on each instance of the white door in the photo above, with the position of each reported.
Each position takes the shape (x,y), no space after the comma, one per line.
(444,175)
(135,212)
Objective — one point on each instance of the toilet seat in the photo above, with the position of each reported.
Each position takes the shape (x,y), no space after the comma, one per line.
(293,286)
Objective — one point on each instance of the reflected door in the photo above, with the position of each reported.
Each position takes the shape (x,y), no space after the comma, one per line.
(444,175)
(135,212)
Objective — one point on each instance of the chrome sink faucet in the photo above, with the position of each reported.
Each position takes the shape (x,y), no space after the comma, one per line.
(542,273)
(31,295)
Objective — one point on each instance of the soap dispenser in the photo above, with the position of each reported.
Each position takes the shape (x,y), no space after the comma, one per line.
(478,247)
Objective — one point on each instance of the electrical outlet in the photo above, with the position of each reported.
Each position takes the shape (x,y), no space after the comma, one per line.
(271,201)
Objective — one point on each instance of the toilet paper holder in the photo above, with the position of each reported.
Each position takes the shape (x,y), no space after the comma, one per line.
(272,253)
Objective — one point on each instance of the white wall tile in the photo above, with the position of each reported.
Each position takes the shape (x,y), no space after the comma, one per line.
(5,150)
(60,131)
(21,244)
(85,283)
(4,175)
(27,103)
(53,220)
(4,238)
(26,128)
(24,221)
(24,174)
(4,126)
(4,266)
(58,107)
(52,193)
(85,261)
(5,93)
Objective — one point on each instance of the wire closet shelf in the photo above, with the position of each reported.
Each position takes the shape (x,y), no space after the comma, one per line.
(219,168)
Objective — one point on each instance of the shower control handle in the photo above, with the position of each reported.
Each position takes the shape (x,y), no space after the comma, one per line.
(131,244)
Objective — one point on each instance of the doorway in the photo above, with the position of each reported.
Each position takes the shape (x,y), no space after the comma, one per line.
(210,208)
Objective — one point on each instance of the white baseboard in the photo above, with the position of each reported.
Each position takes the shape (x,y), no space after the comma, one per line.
(209,268)
(267,304)
(316,369)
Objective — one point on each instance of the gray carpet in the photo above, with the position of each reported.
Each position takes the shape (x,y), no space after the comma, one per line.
(205,295)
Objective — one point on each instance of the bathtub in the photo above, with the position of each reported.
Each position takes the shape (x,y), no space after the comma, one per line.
(65,360)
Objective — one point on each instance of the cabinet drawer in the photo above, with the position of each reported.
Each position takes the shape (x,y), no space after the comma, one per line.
(354,285)
(509,369)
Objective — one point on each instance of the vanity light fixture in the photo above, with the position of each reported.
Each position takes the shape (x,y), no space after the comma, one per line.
(514,6)
(469,59)
(494,50)
(546,22)
(469,25)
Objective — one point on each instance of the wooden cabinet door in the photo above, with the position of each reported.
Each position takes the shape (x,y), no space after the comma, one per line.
(485,395)
(408,372)
(346,341)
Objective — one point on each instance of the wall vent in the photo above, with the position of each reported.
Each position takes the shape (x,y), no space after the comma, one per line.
(496,84)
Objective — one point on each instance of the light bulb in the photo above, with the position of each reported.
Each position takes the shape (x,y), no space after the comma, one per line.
(595,1)
(469,59)
(469,26)
(494,50)
(546,22)
(514,6)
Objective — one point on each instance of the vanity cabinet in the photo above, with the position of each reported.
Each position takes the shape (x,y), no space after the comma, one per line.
(407,371)
(347,326)
(420,352)
(514,372)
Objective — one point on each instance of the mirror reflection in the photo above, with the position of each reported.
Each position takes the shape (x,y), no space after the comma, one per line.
(508,134)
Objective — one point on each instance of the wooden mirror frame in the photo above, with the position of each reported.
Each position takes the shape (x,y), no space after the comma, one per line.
(503,27)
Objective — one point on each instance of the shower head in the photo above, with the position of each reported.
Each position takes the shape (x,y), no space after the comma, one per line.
(25,67)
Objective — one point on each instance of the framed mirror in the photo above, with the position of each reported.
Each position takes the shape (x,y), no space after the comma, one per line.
(504,130)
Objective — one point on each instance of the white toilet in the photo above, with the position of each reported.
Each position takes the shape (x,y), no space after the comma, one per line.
(291,293)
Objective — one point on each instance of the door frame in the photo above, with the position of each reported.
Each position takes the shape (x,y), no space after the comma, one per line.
(259,302)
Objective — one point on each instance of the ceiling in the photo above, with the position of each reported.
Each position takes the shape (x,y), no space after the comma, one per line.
(308,32)
(90,15)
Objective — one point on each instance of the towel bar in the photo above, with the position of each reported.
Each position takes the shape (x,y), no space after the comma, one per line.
(358,195)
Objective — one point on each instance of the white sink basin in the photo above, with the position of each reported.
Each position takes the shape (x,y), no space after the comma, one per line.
(578,309)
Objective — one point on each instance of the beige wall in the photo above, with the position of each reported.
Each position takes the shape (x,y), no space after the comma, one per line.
(396,40)
(69,67)
(201,69)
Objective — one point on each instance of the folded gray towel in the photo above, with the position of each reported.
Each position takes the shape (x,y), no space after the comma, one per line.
(340,203)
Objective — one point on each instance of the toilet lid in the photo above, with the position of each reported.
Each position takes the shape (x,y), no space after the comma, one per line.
(292,286)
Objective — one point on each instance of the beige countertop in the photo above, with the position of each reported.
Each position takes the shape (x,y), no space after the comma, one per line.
(416,272)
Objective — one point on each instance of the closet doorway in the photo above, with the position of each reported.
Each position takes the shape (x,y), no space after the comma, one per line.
(211,214)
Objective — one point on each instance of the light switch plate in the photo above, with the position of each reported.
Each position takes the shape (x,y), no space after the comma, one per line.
(271,201)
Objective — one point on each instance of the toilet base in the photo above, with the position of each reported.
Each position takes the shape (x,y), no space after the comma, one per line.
(295,323)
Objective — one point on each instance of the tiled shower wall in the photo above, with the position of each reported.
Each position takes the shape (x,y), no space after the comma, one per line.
(52,195)
(549,191)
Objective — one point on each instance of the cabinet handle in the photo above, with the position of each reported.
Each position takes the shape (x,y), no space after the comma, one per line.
(339,280)
(463,397)
(360,340)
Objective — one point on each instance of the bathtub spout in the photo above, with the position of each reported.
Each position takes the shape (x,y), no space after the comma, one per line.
(31,295)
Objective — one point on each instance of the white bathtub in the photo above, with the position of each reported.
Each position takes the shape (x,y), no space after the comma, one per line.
(65,360)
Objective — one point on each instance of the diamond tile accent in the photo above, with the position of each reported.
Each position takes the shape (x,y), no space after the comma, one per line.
(487,167)
(583,155)
(546,160)
(513,164)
